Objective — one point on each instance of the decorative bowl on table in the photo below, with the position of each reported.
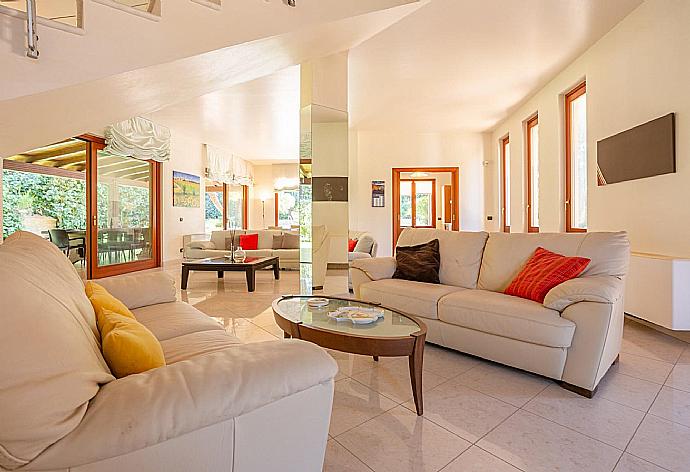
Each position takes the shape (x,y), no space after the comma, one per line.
(356,314)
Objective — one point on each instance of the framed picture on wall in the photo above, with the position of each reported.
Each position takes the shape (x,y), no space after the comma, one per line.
(378,193)
(186,190)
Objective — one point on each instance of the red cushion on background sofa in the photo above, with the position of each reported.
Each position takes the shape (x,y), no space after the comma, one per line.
(351,243)
(543,271)
(249,242)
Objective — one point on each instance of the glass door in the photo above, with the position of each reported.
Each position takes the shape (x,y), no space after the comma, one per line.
(125,213)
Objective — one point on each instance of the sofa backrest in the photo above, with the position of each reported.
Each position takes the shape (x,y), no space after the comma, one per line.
(506,253)
(265,236)
(461,253)
(50,359)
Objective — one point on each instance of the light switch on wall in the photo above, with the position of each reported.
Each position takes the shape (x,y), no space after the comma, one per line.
(181,219)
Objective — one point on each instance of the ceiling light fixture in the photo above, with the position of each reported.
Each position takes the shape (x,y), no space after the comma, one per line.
(419,175)
(290,3)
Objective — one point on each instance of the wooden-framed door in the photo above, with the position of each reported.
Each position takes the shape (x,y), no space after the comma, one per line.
(455,191)
(123,212)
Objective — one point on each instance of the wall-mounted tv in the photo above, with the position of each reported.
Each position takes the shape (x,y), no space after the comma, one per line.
(643,151)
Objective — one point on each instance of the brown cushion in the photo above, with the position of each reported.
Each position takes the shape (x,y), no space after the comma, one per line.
(277,241)
(290,241)
(236,243)
(419,263)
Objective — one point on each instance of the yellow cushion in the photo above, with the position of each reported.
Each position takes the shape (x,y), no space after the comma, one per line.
(101,300)
(128,346)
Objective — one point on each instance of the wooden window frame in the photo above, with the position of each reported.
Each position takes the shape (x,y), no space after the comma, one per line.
(505,142)
(245,206)
(93,270)
(455,184)
(570,97)
(218,188)
(275,209)
(414,202)
(531,123)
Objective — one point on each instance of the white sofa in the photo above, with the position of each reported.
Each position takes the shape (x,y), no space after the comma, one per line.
(197,248)
(218,404)
(365,248)
(573,337)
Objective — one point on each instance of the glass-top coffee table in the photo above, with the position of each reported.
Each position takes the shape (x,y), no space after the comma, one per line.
(396,334)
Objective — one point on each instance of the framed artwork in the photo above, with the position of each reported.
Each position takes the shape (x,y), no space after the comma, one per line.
(378,193)
(186,190)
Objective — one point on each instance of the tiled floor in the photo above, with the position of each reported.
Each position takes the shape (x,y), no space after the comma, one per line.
(480,416)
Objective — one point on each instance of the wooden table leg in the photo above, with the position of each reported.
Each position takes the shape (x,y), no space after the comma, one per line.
(286,335)
(220,274)
(416,366)
(276,271)
(185,278)
(251,279)
(376,358)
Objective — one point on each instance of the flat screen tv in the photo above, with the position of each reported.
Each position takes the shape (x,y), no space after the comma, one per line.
(643,151)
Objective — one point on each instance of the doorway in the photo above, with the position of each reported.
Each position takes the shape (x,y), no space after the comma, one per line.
(419,202)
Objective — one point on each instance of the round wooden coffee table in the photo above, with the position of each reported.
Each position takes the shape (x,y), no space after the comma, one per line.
(397,334)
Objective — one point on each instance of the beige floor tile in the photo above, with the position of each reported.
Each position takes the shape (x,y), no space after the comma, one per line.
(478,460)
(339,459)
(629,391)
(598,418)
(400,441)
(535,444)
(680,377)
(642,368)
(510,385)
(663,443)
(446,362)
(468,413)
(685,356)
(350,364)
(394,381)
(629,463)
(251,333)
(647,342)
(353,404)
(673,405)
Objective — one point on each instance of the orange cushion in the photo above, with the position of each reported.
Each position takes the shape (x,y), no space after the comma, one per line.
(543,271)
(249,242)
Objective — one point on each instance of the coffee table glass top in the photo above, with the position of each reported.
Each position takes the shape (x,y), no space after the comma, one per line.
(295,309)
(224,260)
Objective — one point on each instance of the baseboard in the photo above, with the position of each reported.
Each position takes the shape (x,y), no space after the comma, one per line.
(338,266)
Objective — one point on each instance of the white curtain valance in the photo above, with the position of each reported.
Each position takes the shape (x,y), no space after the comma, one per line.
(138,138)
(223,166)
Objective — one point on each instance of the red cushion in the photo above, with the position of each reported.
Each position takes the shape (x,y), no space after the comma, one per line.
(351,243)
(249,241)
(543,271)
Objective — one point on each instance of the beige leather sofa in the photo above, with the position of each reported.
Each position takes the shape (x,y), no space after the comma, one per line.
(215,247)
(218,405)
(574,336)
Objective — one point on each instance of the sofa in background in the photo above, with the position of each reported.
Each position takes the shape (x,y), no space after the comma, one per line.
(218,404)
(197,248)
(573,337)
(365,248)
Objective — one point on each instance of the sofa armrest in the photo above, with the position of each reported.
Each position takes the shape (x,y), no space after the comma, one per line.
(141,289)
(142,410)
(201,245)
(376,268)
(601,289)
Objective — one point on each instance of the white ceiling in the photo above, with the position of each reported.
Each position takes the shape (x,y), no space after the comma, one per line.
(257,120)
(464,64)
(452,65)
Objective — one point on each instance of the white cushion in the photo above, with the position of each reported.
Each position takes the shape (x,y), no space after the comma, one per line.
(190,345)
(461,253)
(414,298)
(507,316)
(506,254)
(169,320)
(364,243)
(50,359)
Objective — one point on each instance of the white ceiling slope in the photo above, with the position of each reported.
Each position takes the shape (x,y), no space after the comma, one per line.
(257,120)
(116,41)
(35,120)
(464,64)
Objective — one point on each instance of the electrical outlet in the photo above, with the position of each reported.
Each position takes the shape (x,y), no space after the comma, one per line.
(490,218)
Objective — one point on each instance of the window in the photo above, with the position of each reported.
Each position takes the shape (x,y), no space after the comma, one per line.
(533,175)
(576,160)
(214,204)
(418,203)
(67,12)
(505,184)
(236,208)
(286,208)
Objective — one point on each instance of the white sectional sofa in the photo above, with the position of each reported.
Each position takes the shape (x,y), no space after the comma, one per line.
(218,404)
(215,247)
(573,337)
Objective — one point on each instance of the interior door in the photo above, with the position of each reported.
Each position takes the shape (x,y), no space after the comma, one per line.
(417,204)
(124,203)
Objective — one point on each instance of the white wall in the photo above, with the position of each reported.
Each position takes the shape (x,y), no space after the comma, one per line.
(373,154)
(186,155)
(638,71)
